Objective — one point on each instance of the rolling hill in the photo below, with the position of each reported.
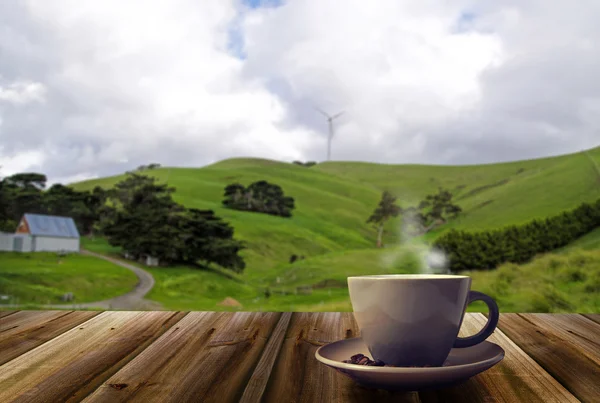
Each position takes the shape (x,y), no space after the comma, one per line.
(334,199)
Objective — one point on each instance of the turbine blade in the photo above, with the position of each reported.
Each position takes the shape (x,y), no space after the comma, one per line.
(337,115)
(321,111)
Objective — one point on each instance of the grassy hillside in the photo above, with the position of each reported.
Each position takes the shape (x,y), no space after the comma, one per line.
(334,199)
(41,278)
(568,282)
(491,195)
(330,212)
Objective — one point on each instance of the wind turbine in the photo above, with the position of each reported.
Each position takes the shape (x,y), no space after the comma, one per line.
(330,122)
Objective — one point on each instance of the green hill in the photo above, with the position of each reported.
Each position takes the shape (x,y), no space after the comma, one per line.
(330,211)
(492,195)
(333,201)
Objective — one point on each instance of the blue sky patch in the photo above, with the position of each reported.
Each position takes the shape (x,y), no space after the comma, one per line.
(464,22)
(236,39)
(262,3)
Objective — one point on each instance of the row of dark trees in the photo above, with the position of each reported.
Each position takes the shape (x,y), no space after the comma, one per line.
(138,214)
(26,193)
(261,197)
(485,250)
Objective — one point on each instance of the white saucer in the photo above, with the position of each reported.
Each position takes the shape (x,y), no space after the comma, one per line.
(461,364)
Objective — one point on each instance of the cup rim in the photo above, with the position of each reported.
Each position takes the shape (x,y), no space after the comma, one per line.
(409,277)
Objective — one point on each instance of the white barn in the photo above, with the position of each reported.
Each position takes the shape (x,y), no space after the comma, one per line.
(15,242)
(45,233)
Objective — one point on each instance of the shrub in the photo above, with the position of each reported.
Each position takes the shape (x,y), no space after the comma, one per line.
(485,250)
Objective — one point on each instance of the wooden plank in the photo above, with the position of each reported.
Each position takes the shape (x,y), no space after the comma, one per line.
(517,378)
(567,346)
(593,316)
(25,330)
(299,377)
(207,357)
(71,365)
(5,313)
(258,381)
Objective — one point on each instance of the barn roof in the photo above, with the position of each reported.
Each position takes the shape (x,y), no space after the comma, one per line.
(49,225)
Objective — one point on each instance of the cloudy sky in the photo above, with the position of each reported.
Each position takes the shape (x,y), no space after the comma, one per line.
(92,88)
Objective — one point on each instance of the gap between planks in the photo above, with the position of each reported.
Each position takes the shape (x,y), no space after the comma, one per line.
(4,314)
(25,330)
(207,356)
(567,346)
(258,380)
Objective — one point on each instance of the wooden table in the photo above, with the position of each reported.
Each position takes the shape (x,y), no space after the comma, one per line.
(59,356)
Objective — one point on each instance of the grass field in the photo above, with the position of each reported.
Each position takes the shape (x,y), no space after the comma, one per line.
(334,199)
(329,228)
(41,278)
(567,282)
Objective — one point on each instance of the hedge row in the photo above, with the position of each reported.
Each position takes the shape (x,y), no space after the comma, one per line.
(485,250)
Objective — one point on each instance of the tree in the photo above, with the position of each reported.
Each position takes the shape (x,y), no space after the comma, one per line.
(431,212)
(143,219)
(235,196)
(441,207)
(307,164)
(385,210)
(4,206)
(208,238)
(140,217)
(28,179)
(65,201)
(260,196)
(95,201)
(23,193)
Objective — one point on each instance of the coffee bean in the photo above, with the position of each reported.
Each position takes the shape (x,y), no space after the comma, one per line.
(363,361)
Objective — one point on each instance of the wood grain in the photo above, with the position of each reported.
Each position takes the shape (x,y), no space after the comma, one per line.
(258,381)
(5,313)
(517,378)
(299,377)
(71,365)
(593,317)
(25,330)
(207,357)
(567,346)
(225,356)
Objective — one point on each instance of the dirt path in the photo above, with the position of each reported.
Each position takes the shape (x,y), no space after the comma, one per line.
(132,301)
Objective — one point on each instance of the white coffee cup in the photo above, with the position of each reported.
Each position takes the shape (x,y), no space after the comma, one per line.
(414,319)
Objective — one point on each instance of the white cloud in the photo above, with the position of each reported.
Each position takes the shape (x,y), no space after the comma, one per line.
(22,92)
(21,162)
(111,85)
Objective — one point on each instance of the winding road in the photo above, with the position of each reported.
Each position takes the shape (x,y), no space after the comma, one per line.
(132,301)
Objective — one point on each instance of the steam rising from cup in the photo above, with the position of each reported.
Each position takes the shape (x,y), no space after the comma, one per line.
(430,260)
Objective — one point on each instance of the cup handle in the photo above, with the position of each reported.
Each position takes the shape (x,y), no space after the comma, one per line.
(489,327)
